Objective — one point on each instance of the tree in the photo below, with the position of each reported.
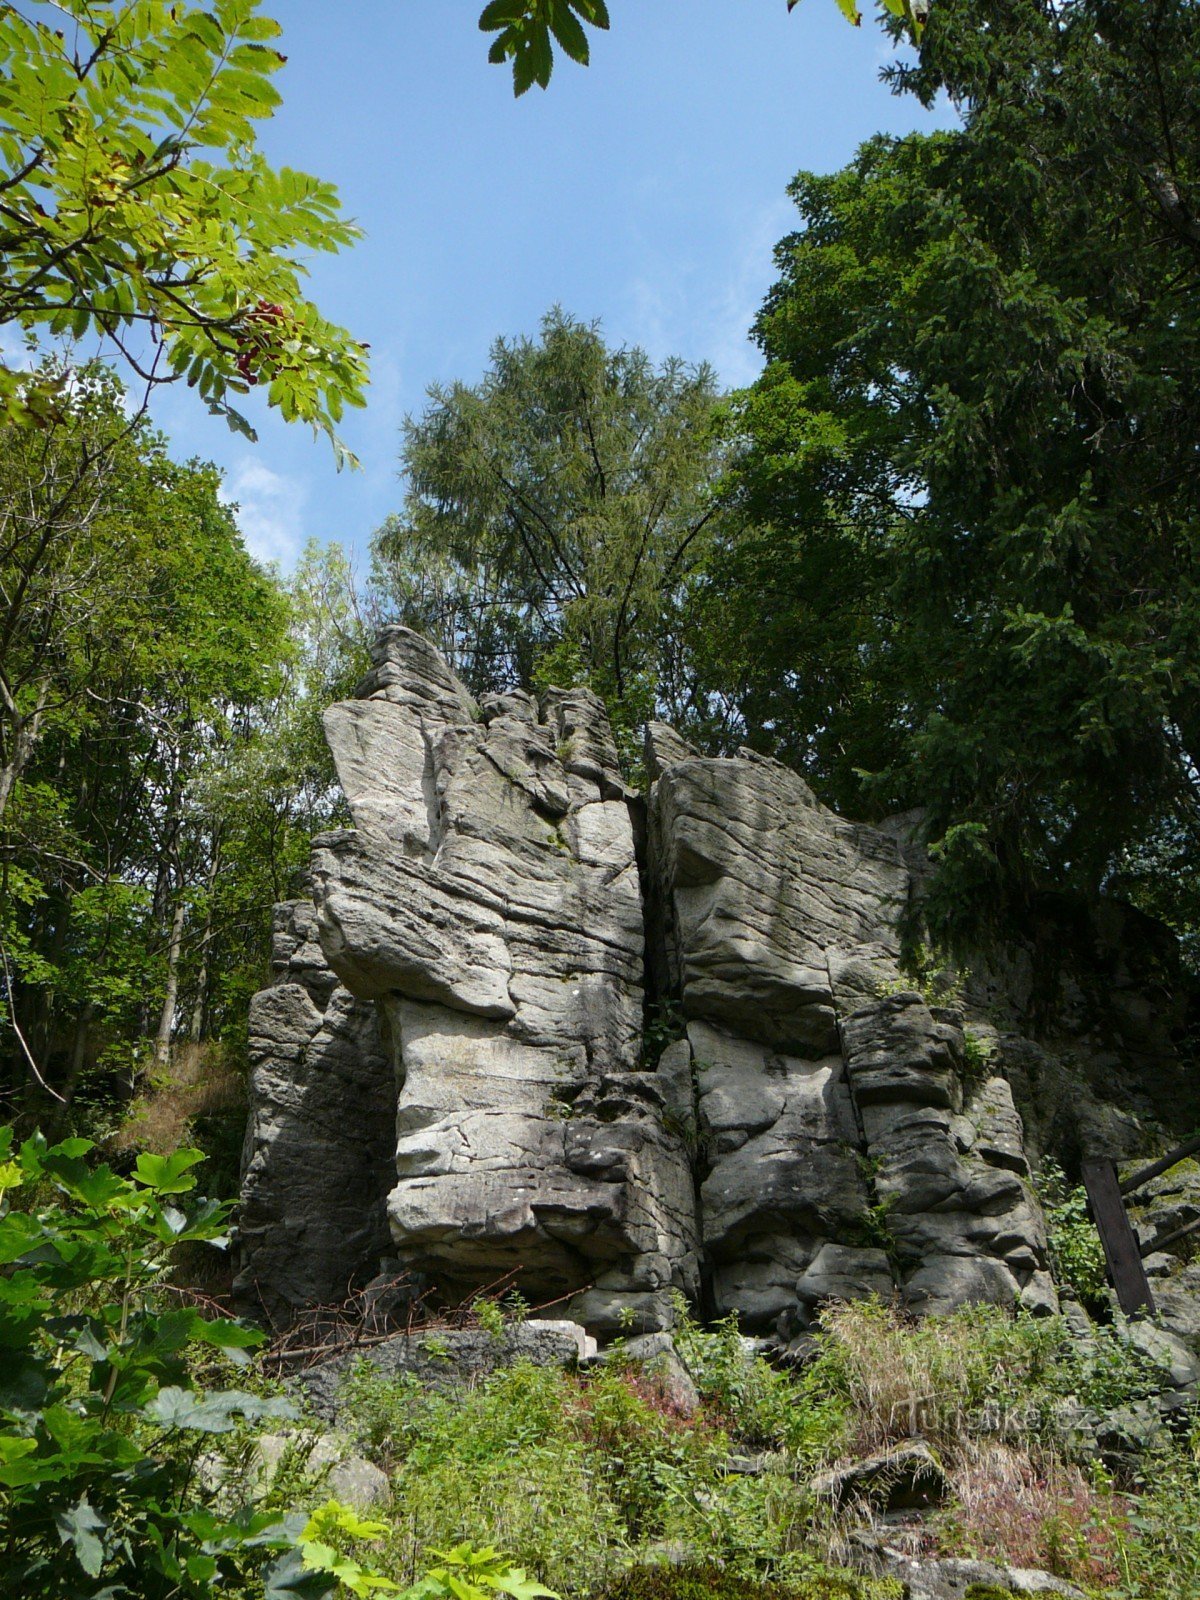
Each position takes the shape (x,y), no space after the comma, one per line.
(974,451)
(527,31)
(135,206)
(557,513)
(135,642)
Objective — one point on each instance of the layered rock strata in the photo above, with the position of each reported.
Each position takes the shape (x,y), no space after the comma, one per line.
(527,933)
(844,1152)
(318,1156)
(488,900)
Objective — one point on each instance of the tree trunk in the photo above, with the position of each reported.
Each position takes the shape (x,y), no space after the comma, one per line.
(200,1005)
(166,1021)
(25,732)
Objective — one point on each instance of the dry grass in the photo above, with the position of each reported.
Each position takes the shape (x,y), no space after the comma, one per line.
(946,1380)
(198,1083)
(1033,1514)
(979,1387)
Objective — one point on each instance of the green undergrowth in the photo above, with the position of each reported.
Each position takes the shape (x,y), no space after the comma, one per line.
(707,1581)
(598,1484)
(130,1459)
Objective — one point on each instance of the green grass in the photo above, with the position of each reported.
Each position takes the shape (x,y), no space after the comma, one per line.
(597,1486)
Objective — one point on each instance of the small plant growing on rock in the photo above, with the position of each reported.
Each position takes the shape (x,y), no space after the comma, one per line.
(977,1058)
(490,1316)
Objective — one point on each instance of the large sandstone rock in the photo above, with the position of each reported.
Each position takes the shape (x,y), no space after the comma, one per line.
(488,900)
(318,1150)
(841,1156)
(467,1053)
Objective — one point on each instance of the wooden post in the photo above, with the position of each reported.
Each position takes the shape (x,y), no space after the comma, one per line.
(1135,1181)
(1118,1238)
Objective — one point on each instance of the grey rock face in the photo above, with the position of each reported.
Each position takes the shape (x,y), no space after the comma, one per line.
(906,1477)
(955,1578)
(488,900)
(654,1355)
(448,1358)
(843,1155)
(494,932)
(318,1148)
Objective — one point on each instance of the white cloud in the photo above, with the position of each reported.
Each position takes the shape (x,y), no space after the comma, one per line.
(733,311)
(675,312)
(269,511)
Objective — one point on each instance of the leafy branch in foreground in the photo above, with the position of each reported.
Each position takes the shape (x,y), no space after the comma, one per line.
(102,1423)
(527,31)
(135,206)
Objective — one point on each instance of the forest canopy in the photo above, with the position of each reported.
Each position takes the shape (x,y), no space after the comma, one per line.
(941,554)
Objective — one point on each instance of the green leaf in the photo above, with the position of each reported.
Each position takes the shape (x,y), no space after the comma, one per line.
(523,71)
(167,1174)
(24,1382)
(81,1527)
(542,52)
(186,1411)
(500,13)
(289,1579)
(568,32)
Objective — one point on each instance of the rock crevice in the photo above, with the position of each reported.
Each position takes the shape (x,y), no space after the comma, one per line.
(620,1046)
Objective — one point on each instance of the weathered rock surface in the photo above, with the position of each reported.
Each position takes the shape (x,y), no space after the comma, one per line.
(958,1579)
(905,1478)
(843,1157)
(461,1063)
(448,1358)
(489,901)
(318,1152)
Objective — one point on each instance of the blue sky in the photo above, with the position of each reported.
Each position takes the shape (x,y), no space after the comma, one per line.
(647,191)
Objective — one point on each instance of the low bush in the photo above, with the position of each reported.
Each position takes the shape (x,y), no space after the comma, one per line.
(104,1425)
(1076,1253)
(128,1468)
(700,1581)
(577,1473)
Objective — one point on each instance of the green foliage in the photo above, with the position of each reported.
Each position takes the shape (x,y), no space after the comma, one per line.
(503,1463)
(557,516)
(527,31)
(490,1316)
(970,490)
(100,1422)
(571,1472)
(1159,1556)
(137,643)
(121,220)
(694,1581)
(760,1406)
(931,974)
(1076,1253)
(589,1477)
(663,1026)
(977,1058)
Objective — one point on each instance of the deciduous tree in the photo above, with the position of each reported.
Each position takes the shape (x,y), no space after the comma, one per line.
(135,206)
(557,513)
(973,462)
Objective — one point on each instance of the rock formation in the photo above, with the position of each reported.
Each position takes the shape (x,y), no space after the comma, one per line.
(507,935)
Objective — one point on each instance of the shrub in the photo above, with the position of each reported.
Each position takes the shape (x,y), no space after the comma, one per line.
(758,1404)
(1076,1254)
(1158,1550)
(102,1422)
(573,1472)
